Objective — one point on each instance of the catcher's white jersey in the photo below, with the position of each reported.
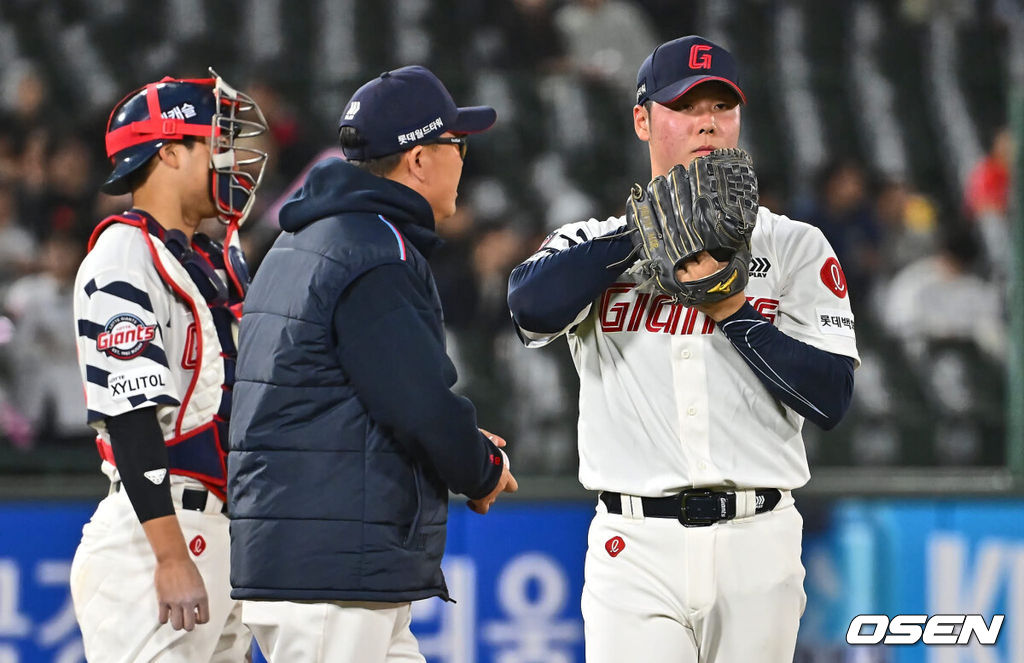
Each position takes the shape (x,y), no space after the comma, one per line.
(666,402)
(138,344)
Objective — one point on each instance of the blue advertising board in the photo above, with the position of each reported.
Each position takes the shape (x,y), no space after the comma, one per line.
(37,619)
(517,575)
(917,557)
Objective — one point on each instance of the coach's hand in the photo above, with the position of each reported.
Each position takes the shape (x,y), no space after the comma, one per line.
(498,440)
(506,483)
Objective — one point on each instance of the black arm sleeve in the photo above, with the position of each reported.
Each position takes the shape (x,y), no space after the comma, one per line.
(398,366)
(138,446)
(546,295)
(815,383)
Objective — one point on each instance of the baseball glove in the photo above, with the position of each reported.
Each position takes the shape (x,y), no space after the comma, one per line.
(710,206)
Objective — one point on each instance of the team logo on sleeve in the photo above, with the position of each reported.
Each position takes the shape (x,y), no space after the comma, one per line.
(125,336)
(833,278)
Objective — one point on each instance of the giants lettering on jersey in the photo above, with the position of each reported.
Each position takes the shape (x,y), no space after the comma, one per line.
(125,336)
(624,309)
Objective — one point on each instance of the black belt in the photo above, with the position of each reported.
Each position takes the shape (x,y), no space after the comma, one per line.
(192,499)
(697,507)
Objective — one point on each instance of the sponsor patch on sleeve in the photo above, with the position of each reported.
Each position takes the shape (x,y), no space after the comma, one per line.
(137,382)
(836,322)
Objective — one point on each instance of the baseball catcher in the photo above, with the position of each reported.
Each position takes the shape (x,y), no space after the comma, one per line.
(710,206)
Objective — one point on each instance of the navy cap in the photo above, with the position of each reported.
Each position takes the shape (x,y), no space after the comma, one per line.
(406,107)
(675,67)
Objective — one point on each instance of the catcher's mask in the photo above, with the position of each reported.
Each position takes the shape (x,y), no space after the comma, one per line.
(171,109)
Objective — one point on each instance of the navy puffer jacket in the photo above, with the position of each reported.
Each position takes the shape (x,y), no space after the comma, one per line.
(345,435)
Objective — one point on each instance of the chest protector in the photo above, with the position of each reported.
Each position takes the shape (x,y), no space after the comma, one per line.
(197,443)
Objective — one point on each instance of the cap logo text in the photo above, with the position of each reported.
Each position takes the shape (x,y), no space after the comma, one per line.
(353,108)
(182,112)
(641,91)
(419,134)
(699,56)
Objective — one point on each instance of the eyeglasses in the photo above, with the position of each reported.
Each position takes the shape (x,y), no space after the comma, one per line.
(461,141)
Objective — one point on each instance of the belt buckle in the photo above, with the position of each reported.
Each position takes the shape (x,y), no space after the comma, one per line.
(698,520)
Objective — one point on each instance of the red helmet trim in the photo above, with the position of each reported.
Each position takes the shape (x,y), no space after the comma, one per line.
(156,127)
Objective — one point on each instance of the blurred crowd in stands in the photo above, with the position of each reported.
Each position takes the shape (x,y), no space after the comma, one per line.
(926,273)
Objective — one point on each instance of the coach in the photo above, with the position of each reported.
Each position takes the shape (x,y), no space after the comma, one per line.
(346,436)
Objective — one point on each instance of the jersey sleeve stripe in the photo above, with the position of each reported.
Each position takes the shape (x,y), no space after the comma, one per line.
(89,329)
(128,292)
(97,376)
(154,353)
(90,287)
(135,402)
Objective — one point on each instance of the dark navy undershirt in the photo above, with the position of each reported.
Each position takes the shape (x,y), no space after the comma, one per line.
(815,383)
(138,446)
(546,295)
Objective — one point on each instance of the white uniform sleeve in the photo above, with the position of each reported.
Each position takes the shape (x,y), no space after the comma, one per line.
(814,306)
(561,239)
(120,316)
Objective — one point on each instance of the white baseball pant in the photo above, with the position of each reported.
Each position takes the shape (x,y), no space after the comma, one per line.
(333,632)
(659,592)
(115,599)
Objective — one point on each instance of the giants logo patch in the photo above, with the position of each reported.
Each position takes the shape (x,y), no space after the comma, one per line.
(833,278)
(125,336)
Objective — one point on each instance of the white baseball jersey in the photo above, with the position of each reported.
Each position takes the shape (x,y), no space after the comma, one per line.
(138,344)
(146,337)
(666,402)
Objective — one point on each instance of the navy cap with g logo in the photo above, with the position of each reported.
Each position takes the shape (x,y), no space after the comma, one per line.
(675,67)
(406,107)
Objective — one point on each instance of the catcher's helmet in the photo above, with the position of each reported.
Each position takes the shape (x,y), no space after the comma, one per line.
(171,109)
